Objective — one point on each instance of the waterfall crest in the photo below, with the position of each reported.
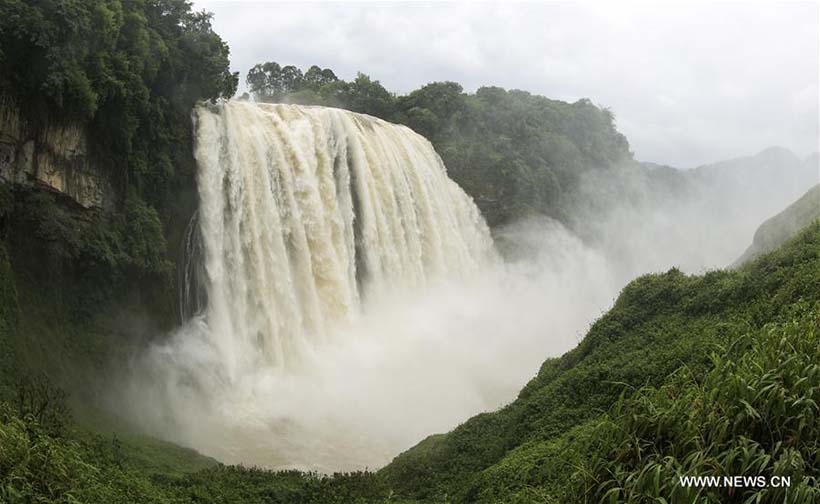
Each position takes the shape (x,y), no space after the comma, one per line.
(305,212)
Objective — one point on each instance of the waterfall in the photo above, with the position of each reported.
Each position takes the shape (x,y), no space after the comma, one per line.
(340,297)
(192,296)
(305,212)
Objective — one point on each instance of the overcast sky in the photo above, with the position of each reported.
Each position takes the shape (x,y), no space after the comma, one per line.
(689,84)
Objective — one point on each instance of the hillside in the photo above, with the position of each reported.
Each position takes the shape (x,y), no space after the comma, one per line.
(515,153)
(574,431)
(767,181)
(781,227)
(659,324)
(766,164)
(651,216)
(771,178)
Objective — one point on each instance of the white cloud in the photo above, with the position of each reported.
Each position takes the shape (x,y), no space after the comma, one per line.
(689,83)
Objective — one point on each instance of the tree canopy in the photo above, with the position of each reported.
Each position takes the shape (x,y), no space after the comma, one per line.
(129,70)
(515,153)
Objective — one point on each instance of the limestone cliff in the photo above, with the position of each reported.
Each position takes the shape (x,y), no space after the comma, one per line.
(50,156)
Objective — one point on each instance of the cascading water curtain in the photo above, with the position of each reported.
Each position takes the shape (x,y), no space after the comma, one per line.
(305,211)
(308,218)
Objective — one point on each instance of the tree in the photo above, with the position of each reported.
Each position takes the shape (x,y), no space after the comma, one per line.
(316,77)
(128,73)
(368,96)
(515,153)
(432,106)
(269,82)
(264,81)
(291,79)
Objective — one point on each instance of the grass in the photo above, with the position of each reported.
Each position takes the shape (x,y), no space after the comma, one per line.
(686,375)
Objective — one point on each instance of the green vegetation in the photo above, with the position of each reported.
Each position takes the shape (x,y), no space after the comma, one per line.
(89,283)
(513,152)
(687,375)
(557,443)
(129,71)
(755,413)
(80,288)
(42,462)
(778,229)
(8,322)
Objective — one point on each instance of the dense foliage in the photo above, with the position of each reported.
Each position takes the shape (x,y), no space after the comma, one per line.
(513,152)
(8,322)
(129,70)
(756,413)
(127,73)
(38,464)
(687,375)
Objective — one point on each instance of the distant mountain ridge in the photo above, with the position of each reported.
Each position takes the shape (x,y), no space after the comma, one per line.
(771,160)
(696,219)
(774,153)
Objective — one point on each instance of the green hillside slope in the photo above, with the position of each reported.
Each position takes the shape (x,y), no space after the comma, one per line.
(778,229)
(686,375)
(660,324)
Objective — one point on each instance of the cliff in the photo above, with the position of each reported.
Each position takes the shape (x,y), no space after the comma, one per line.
(50,156)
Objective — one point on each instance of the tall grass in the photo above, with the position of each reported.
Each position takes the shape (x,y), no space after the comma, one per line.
(754,414)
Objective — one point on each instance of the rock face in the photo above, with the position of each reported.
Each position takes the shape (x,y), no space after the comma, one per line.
(52,157)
